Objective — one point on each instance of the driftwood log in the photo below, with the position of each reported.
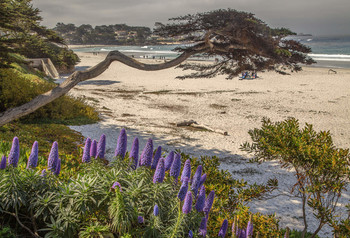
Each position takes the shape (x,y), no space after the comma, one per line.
(80,76)
(194,124)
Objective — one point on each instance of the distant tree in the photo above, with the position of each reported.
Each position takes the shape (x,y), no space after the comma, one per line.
(21,32)
(238,39)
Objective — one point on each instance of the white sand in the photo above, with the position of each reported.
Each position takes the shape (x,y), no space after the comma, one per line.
(149,104)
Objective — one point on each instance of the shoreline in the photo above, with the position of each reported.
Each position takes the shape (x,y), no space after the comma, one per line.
(149,104)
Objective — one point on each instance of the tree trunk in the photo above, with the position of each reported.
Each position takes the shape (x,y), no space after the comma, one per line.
(79,76)
(304,216)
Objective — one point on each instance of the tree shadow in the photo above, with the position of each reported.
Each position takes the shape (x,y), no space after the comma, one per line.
(98,82)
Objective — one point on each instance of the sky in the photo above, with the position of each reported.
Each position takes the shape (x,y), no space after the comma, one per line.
(316,17)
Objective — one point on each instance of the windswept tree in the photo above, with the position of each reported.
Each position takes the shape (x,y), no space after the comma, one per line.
(237,39)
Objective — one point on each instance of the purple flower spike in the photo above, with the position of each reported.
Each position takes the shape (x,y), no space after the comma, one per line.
(14,152)
(115,185)
(156,210)
(201,199)
(203,227)
(186,172)
(242,233)
(250,228)
(202,180)
(183,189)
(58,168)
(53,157)
(33,158)
(187,207)
(43,173)
(156,157)
(159,174)
(223,229)
(196,180)
(101,147)
(3,162)
(134,153)
(147,154)
(234,226)
(190,234)
(176,167)
(86,153)
(121,144)
(169,160)
(209,202)
(140,219)
(93,149)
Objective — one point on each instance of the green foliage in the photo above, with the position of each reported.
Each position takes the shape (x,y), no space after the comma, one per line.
(321,169)
(22,33)
(18,86)
(80,200)
(6,232)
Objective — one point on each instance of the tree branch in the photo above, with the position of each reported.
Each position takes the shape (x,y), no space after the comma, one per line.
(21,224)
(80,76)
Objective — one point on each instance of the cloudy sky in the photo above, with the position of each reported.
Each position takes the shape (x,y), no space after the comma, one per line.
(317,17)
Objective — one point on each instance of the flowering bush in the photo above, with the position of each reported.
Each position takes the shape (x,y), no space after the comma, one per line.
(120,199)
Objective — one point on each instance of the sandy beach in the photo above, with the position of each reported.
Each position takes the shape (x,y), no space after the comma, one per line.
(149,104)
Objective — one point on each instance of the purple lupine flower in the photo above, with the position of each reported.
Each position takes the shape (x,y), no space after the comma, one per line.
(203,227)
(156,210)
(209,202)
(93,149)
(14,152)
(53,157)
(3,162)
(134,153)
(201,199)
(169,160)
(43,173)
(223,229)
(147,153)
(202,180)
(250,228)
(159,174)
(234,225)
(58,167)
(190,234)
(33,158)
(196,180)
(86,153)
(140,219)
(156,157)
(183,189)
(187,207)
(122,144)
(101,147)
(186,172)
(242,233)
(115,185)
(176,167)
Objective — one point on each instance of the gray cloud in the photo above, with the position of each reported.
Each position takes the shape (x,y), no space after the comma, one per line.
(319,17)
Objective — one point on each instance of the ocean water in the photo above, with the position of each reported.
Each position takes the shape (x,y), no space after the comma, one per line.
(327,51)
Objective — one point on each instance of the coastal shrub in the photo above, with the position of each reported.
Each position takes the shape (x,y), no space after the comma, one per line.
(109,200)
(18,86)
(321,169)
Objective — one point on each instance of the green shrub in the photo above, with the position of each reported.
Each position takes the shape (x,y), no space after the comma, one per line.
(80,200)
(18,86)
(322,170)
